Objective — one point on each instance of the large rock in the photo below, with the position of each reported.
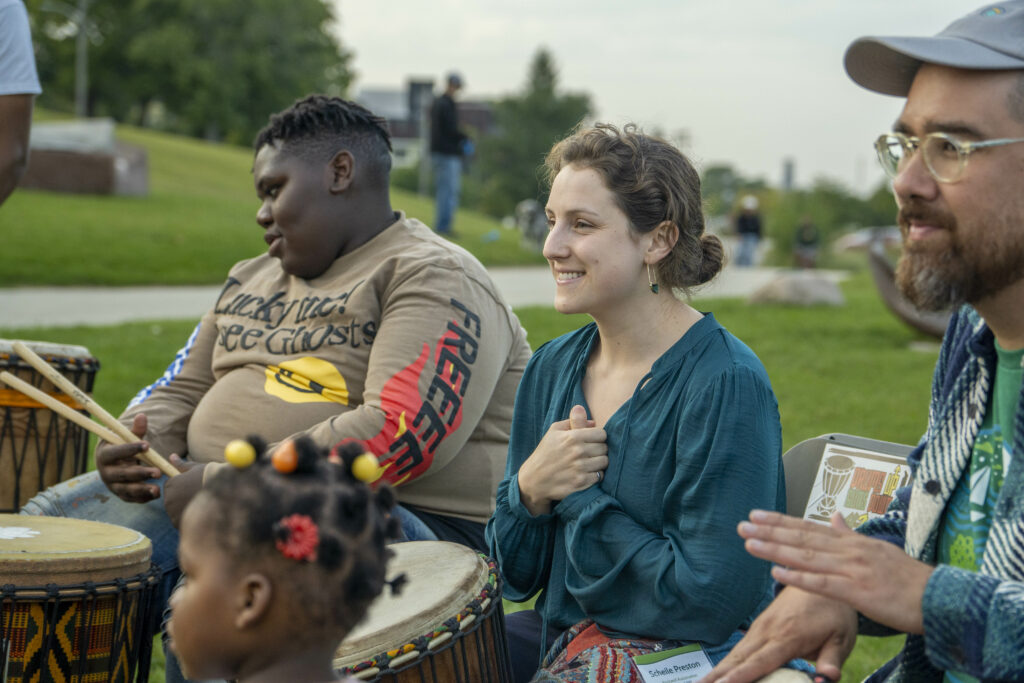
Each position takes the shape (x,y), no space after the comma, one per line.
(801,288)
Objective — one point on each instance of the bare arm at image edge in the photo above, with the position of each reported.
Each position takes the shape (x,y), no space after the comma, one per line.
(15,122)
(19,85)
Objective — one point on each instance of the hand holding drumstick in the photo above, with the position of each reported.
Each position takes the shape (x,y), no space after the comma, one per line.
(117,460)
(119,466)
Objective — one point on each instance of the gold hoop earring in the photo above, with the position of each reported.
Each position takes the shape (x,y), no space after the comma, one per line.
(650,280)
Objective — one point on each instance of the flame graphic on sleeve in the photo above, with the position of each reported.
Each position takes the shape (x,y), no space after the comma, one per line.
(400,400)
(405,454)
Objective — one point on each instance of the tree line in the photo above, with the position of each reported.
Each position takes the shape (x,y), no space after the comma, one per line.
(216,69)
(213,69)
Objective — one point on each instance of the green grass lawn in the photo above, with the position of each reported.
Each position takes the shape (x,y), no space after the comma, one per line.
(848,369)
(198,220)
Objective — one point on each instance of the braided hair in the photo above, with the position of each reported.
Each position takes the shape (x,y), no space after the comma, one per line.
(317,127)
(248,509)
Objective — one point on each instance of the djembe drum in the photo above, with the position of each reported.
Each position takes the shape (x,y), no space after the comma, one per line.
(39,448)
(837,471)
(446,626)
(77,601)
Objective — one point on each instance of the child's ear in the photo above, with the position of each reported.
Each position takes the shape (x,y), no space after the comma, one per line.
(254,594)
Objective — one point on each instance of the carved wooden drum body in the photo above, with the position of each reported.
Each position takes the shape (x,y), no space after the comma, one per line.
(39,448)
(76,601)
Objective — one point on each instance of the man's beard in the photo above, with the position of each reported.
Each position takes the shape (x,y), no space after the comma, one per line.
(963,270)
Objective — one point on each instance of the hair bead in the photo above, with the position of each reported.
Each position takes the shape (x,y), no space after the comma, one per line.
(285,458)
(365,468)
(239,453)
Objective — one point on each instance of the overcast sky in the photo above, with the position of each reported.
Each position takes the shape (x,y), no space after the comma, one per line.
(750,81)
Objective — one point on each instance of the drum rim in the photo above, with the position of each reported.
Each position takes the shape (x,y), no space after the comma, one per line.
(410,654)
(135,583)
(59,355)
(44,348)
(136,542)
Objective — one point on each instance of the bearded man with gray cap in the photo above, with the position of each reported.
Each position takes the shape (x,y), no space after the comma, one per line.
(945,565)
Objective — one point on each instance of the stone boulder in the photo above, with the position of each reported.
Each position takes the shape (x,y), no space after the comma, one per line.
(799,288)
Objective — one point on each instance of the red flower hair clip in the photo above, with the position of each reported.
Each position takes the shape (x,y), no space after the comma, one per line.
(297,537)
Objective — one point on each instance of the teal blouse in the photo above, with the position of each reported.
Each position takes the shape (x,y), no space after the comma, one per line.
(652,550)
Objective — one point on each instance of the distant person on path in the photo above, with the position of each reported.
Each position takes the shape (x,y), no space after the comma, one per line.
(945,564)
(806,243)
(640,440)
(447,147)
(19,84)
(358,324)
(748,229)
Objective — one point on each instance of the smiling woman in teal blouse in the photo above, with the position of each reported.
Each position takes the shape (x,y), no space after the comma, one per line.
(640,441)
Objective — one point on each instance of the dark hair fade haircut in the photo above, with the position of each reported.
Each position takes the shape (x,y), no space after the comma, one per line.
(245,506)
(652,182)
(317,127)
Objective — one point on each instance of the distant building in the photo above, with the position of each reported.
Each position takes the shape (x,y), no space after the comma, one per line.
(788,174)
(408,115)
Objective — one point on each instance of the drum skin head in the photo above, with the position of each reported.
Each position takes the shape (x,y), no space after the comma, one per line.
(442,579)
(47,350)
(35,551)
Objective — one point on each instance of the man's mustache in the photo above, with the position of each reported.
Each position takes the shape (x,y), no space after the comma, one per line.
(917,212)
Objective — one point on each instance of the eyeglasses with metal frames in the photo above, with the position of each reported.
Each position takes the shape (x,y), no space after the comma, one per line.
(944,155)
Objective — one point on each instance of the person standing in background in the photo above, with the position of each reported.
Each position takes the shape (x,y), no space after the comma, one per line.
(446,147)
(19,84)
(748,227)
(806,243)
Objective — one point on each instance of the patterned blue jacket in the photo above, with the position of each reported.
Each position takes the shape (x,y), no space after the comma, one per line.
(973,622)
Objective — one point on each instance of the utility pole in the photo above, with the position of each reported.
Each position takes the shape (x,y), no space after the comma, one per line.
(81,60)
(79,18)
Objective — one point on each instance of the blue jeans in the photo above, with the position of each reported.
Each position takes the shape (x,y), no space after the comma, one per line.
(87,497)
(447,176)
(747,249)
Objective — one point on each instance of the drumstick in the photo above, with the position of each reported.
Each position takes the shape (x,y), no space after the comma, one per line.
(70,413)
(92,407)
(62,409)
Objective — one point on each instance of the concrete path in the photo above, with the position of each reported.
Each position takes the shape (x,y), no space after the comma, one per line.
(66,306)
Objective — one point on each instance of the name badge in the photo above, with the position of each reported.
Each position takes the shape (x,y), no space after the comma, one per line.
(683,664)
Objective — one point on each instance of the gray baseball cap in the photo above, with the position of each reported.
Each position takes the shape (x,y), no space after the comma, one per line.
(991,37)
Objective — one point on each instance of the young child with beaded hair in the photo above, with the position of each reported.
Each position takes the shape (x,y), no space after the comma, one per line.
(283,555)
